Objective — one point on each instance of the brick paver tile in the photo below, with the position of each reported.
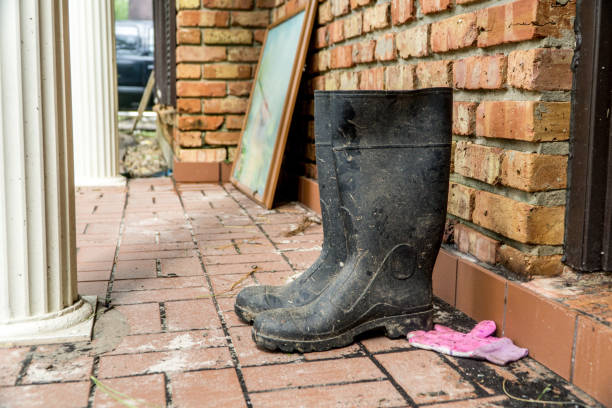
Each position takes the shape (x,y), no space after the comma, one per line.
(88,276)
(96,254)
(367,394)
(95,266)
(475,403)
(181,266)
(192,314)
(127,285)
(57,366)
(93,288)
(136,269)
(164,361)
(231,284)
(276,278)
(226,306)
(144,391)
(302,259)
(11,361)
(246,258)
(161,295)
(426,377)
(142,318)
(162,254)
(209,388)
(312,373)
(351,350)
(249,354)
(379,343)
(170,341)
(279,266)
(65,395)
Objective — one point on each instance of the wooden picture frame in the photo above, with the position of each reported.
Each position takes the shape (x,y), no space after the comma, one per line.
(271,102)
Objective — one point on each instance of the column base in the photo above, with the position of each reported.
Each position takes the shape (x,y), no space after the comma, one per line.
(118,181)
(75,323)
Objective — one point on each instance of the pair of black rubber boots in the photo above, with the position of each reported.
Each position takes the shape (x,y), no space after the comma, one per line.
(383,162)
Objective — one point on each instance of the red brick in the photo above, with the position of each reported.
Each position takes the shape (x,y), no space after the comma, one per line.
(342,57)
(318,83)
(74,394)
(150,389)
(359,3)
(523,120)
(480,72)
(364,51)
(321,61)
(434,73)
(266,3)
(321,37)
(373,78)
(222,138)
(339,7)
(234,121)
(259,35)
(528,265)
(243,54)
(434,6)
(464,118)
(454,33)
(461,201)
(336,31)
(228,4)
(479,162)
(375,18)
(188,53)
(189,139)
(444,279)
(230,104)
(473,242)
(227,36)
(526,223)
(187,4)
(250,18)
(207,389)
(189,88)
(200,122)
(533,172)
(413,42)
(11,362)
(324,14)
(349,80)
(332,83)
(142,318)
(227,71)
(541,69)
(400,77)
(353,25)
(202,18)
(385,48)
(402,11)
(188,71)
(240,88)
(187,36)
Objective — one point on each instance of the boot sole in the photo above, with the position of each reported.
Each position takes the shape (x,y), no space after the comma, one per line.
(395,327)
(245,314)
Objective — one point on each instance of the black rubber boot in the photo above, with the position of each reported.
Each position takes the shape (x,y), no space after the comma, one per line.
(392,152)
(255,299)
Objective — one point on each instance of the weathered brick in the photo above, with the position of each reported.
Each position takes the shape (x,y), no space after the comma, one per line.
(231,104)
(464,118)
(336,31)
(402,11)
(520,221)
(470,241)
(233,122)
(250,18)
(227,36)
(324,14)
(342,57)
(478,162)
(400,77)
(359,3)
(454,33)
(266,3)
(339,7)
(310,153)
(191,88)
(188,71)
(222,138)
(349,80)
(188,36)
(227,71)
(259,35)
(373,78)
(385,47)
(187,4)
(375,18)
(435,73)
(200,122)
(318,83)
(434,6)
(533,172)
(461,201)
(206,155)
(189,53)
(228,4)
(364,51)
(293,6)
(310,170)
(541,69)
(189,139)
(531,121)
(321,37)
(528,264)
(353,25)
(480,72)
(332,81)
(184,105)
(413,42)
(202,18)
(243,54)
(240,88)
(321,61)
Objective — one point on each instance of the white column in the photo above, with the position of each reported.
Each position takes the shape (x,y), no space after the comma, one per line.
(38,288)
(94,93)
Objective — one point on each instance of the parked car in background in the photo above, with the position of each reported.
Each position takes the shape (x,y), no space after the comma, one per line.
(134,42)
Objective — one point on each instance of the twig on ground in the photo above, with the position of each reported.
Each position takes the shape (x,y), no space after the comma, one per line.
(120,397)
(538,401)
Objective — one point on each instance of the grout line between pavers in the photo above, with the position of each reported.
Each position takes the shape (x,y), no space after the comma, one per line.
(162,317)
(333,384)
(168,390)
(25,365)
(232,349)
(111,279)
(95,367)
(480,391)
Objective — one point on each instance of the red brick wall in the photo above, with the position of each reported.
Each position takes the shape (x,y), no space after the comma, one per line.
(509,64)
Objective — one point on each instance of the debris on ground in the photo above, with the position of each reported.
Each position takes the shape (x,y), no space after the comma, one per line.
(306,222)
(141,155)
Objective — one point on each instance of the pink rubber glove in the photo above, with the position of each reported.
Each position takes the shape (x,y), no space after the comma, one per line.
(476,344)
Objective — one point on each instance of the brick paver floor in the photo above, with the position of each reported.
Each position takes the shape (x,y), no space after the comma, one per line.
(166,265)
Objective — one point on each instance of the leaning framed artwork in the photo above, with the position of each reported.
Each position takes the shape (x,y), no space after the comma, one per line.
(268,118)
